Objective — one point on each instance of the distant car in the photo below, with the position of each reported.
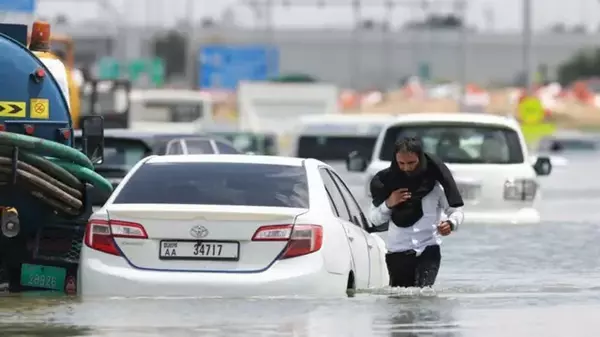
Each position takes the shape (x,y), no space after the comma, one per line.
(331,137)
(562,145)
(123,148)
(226,225)
(486,154)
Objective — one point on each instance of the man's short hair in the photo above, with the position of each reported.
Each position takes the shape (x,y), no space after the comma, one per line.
(409,145)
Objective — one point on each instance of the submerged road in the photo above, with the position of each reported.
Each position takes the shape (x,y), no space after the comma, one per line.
(501,280)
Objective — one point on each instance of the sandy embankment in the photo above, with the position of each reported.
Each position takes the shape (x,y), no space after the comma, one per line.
(567,113)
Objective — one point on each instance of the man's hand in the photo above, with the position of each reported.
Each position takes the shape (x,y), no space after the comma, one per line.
(445,228)
(397,197)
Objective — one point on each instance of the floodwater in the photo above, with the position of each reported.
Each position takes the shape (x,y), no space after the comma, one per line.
(502,280)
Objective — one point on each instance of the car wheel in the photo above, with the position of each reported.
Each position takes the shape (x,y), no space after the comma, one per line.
(351,286)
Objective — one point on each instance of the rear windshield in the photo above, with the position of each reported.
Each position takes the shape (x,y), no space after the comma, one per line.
(461,143)
(217,184)
(329,148)
(121,152)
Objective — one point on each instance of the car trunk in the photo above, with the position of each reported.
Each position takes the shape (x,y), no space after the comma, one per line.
(201,237)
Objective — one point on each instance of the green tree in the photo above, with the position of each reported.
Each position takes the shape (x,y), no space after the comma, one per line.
(172,49)
(584,64)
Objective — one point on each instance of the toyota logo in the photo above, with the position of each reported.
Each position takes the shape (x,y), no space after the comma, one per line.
(198,232)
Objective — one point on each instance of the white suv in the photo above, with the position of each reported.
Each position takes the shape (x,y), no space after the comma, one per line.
(487,155)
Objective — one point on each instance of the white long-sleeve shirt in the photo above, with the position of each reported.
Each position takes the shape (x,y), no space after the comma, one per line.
(424,232)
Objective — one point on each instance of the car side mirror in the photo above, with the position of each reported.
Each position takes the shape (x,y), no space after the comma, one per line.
(355,162)
(542,166)
(92,139)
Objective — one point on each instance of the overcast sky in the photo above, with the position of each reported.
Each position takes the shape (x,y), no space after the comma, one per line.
(485,14)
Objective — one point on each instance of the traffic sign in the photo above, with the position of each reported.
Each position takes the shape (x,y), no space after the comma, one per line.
(111,69)
(531,110)
(21,6)
(224,66)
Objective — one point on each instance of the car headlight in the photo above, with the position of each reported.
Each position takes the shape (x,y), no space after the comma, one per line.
(520,189)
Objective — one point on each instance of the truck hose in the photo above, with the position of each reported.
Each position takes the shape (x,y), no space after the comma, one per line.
(52,172)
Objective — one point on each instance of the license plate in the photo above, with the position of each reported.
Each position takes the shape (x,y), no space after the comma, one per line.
(46,277)
(199,250)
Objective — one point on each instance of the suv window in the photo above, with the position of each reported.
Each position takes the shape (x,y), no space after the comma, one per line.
(339,205)
(225,148)
(199,146)
(328,148)
(174,147)
(217,184)
(121,152)
(464,143)
(355,211)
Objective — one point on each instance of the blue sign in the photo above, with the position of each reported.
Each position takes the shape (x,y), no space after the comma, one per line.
(22,6)
(224,66)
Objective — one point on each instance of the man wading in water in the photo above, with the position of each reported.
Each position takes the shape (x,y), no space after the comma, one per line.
(409,196)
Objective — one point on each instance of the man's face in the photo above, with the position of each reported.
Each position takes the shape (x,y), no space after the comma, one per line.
(407,161)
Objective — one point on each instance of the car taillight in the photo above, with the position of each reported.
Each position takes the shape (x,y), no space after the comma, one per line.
(302,239)
(100,234)
(520,189)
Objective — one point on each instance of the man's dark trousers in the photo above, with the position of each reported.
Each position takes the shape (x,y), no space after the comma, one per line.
(406,269)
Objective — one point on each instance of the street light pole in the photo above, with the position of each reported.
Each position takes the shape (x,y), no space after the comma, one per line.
(528,63)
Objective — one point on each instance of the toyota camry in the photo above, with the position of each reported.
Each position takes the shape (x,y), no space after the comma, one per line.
(230,225)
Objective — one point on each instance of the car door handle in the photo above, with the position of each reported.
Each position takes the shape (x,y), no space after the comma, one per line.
(351,238)
(370,246)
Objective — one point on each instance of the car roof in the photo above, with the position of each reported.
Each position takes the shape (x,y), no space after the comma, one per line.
(346,118)
(145,135)
(463,117)
(227,158)
(363,125)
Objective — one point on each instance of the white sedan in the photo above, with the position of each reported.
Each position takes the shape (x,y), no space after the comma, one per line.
(230,225)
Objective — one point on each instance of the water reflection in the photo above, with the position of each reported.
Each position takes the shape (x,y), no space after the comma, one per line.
(41,330)
(418,316)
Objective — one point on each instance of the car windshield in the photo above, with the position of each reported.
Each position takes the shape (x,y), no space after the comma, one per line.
(121,152)
(464,143)
(238,184)
(332,148)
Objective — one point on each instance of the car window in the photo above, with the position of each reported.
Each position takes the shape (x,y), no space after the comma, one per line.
(353,207)
(199,146)
(328,148)
(174,147)
(207,183)
(341,210)
(225,148)
(464,143)
(122,152)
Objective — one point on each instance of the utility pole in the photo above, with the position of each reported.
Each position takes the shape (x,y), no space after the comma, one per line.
(355,71)
(528,62)
(192,46)
(461,8)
